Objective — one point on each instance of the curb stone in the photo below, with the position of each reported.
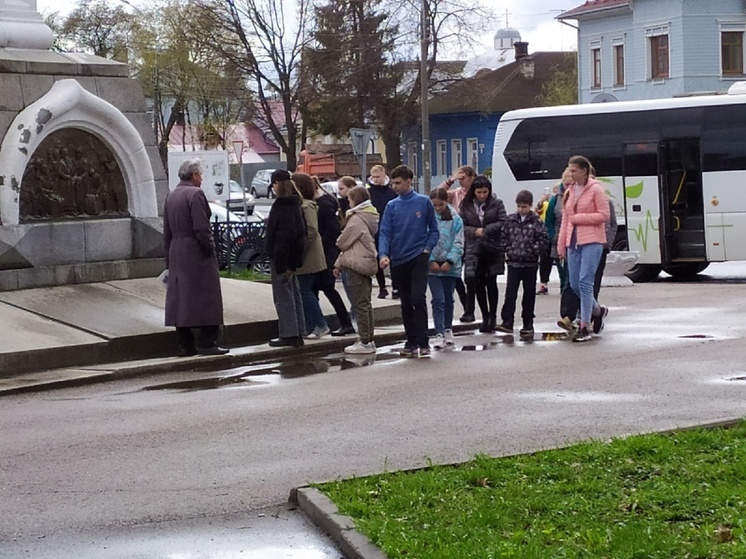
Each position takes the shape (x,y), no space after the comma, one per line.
(340,528)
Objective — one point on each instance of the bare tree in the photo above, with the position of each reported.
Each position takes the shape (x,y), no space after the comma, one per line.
(266,40)
(96,27)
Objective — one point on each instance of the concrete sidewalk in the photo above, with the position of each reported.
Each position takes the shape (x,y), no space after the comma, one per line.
(78,332)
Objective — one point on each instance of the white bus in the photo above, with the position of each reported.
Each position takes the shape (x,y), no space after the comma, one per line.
(675,170)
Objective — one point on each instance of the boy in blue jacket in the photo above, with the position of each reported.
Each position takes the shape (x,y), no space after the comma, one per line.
(524,239)
(407,234)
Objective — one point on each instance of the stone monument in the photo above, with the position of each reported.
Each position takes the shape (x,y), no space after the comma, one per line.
(81,180)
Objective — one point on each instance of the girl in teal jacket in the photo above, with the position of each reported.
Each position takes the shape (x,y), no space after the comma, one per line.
(446,260)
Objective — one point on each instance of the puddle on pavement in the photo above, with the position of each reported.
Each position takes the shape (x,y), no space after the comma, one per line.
(263,374)
(697,336)
(272,372)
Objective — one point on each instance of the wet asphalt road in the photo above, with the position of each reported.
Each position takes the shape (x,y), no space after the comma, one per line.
(135,463)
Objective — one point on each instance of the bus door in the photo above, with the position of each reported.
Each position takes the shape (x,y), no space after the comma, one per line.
(641,206)
(682,205)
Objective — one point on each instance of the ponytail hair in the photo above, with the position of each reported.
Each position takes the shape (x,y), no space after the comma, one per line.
(442,194)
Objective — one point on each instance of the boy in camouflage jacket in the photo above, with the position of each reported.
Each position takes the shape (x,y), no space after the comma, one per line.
(524,238)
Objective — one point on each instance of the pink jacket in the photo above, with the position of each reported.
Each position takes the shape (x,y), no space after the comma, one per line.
(588,215)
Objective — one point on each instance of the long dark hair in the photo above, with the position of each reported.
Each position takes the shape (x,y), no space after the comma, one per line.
(479,182)
(442,194)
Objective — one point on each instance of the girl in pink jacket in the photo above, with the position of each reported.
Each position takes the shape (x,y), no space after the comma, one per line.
(581,240)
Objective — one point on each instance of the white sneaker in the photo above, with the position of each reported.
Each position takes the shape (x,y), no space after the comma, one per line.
(449,337)
(318,333)
(359,348)
(439,342)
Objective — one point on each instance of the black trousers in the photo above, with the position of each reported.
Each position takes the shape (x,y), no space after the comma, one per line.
(324,281)
(569,300)
(411,279)
(516,277)
(483,287)
(545,267)
(208,337)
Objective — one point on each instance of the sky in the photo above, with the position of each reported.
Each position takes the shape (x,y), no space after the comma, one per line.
(534,19)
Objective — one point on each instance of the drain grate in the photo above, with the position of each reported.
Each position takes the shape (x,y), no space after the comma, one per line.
(737,378)
(697,336)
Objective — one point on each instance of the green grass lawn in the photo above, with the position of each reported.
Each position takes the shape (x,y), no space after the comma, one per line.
(679,496)
(247,275)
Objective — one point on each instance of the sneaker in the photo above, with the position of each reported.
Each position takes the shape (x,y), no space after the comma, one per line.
(422,352)
(318,333)
(508,329)
(439,342)
(543,290)
(598,320)
(467,317)
(582,335)
(360,348)
(406,351)
(566,324)
(383,293)
(449,338)
(394,293)
(526,332)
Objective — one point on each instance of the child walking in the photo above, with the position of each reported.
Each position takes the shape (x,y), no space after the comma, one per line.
(524,239)
(445,266)
(358,260)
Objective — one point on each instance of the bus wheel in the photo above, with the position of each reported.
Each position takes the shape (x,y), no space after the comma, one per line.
(644,272)
(685,271)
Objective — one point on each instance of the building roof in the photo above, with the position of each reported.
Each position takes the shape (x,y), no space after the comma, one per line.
(254,140)
(513,86)
(593,7)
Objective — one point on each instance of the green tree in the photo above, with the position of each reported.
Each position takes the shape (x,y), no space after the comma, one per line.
(562,88)
(96,27)
(346,66)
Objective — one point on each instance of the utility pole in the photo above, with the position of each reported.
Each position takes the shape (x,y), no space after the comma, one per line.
(426,152)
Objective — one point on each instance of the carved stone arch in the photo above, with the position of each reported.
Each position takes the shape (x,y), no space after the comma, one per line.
(68,105)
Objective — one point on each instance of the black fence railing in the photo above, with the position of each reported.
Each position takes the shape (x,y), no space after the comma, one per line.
(240,245)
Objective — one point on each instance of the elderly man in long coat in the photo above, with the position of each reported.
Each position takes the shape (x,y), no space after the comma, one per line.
(193,296)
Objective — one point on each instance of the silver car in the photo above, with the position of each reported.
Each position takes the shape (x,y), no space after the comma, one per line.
(261,184)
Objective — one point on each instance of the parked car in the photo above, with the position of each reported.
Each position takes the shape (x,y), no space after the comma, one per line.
(332,186)
(261,184)
(239,242)
(236,199)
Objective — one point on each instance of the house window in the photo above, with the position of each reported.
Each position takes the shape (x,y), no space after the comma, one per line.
(472,153)
(596,67)
(457,155)
(659,52)
(441,165)
(731,48)
(618,48)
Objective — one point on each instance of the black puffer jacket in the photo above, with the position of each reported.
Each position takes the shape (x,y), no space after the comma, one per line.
(286,234)
(329,226)
(524,240)
(485,248)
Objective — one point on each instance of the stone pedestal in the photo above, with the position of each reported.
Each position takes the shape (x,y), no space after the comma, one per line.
(618,264)
(42,92)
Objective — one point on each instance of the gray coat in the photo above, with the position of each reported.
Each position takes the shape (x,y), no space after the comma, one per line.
(193,296)
(315,260)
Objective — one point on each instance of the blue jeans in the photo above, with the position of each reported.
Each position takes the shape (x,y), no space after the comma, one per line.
(311,307)
(441,300)
(582,262)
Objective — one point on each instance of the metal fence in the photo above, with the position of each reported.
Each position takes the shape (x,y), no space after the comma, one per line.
(240,246)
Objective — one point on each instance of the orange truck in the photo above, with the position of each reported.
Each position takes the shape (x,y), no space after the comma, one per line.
(331,161)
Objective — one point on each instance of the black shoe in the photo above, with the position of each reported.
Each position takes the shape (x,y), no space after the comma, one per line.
(582,335)
(295,341)
(187,351)
(395,294)
(382,293)
(214,350)
(467,317)
(527,331)
(487,326)
(506,328)
(343,331)
(598,320)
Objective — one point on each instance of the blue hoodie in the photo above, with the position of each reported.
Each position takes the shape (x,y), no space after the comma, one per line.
(408,228)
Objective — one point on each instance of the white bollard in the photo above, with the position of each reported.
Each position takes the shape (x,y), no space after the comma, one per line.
(617,264)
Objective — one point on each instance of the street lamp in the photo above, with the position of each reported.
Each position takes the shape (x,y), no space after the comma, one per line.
(238,150)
